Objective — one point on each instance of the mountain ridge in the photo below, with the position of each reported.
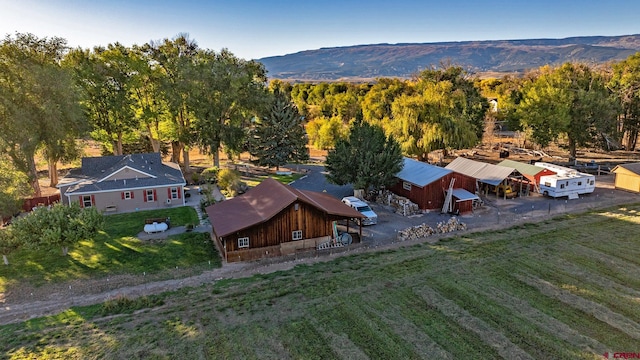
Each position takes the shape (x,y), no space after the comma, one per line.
(403,60)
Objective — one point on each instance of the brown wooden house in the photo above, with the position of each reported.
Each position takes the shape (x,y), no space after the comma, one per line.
(274,219)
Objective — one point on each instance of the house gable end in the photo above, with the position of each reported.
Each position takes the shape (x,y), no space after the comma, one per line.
(126,172)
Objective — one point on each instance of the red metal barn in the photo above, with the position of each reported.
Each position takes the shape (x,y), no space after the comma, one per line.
(422,183)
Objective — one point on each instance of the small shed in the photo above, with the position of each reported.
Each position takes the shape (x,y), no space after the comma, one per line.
(531,173)
(486,175)
(627,177)
(273,219)
(422,183)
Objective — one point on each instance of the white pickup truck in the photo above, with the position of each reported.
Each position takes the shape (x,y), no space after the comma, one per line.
(362,207)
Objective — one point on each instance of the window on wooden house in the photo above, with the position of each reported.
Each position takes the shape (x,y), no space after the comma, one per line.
(297,235)
(406,186)
(174,192)
(243,242)
(127,195)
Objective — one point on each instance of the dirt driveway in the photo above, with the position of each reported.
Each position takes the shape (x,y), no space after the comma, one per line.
(50,299)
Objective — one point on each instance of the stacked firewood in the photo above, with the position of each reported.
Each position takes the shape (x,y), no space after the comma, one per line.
(452,225)
(415,232)
(424,230)
(400,204)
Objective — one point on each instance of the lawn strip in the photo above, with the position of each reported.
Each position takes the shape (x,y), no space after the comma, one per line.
(490,335)
(390,309)
(350,317)
(302,340)
(429,325)
(461,298)
(491,288)
(622,323)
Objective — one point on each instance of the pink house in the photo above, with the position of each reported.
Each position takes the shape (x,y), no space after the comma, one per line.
(124,183)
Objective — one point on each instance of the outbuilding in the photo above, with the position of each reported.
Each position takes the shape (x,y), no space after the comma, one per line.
(273,219)
(422,183)
(627,177)
(486,176)
(531,173)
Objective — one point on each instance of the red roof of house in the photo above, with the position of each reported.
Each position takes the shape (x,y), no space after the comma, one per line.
(265,201)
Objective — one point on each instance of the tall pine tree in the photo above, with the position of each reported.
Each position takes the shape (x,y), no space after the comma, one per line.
(279,138)
(367,159)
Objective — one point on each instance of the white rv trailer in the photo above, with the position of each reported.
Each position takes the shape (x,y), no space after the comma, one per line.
(566,182)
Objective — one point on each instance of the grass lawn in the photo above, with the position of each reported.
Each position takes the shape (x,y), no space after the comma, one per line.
(566,288)
(285,179)
(117,250)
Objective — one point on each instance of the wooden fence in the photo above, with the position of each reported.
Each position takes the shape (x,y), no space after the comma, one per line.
(29,204)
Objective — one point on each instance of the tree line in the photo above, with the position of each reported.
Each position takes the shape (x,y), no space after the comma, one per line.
(162,95)
(172,96)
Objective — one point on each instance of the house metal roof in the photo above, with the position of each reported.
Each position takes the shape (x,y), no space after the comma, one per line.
(265,201)
(420,173)
(523,168)
(483,172)
(88,178)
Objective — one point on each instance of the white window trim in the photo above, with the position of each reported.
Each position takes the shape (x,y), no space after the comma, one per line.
(149,195)
(174,192)
(406,185)
(243,242)
(86,201)
(127,195)
(297,235)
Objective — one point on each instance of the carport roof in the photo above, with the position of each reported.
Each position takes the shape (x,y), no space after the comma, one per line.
(525,169)
(420,173)
(265,201)
(483,172)
(464,195)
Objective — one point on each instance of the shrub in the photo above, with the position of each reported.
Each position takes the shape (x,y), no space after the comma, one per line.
(238,187)
(226,178)
(204,203)
(209,175)
(195,178)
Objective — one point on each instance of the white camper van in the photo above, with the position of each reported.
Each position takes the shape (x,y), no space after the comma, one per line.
(566,182)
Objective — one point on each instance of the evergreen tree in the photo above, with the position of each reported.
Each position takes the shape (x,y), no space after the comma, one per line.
(367,159)
(279,138)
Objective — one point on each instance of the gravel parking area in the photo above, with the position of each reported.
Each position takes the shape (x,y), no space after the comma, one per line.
(497,212)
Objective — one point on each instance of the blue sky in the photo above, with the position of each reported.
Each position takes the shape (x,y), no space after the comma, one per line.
(252,29)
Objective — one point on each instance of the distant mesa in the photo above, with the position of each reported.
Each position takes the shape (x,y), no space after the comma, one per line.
(366,62)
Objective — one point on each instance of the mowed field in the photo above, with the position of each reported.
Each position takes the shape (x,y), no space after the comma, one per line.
(566,288)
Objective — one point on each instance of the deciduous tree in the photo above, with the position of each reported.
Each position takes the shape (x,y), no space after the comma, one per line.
(38,107)
(570,100)
(175,59)
(626,84)
(105,75)
(443,111)
(229,92)
(13,188)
